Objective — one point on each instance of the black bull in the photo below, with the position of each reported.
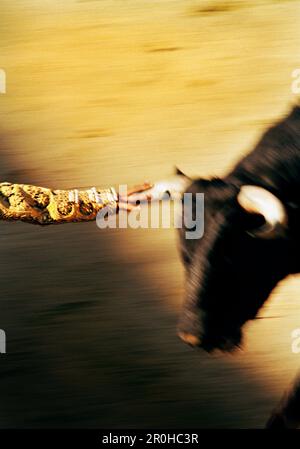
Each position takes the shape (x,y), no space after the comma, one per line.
(232,269)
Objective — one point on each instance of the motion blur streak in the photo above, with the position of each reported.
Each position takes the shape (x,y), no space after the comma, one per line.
(109,92)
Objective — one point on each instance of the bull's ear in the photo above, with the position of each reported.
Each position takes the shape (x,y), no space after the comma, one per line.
(203,181)
(180,173)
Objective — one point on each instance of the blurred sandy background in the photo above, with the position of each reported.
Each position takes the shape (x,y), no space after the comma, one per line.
(109,92)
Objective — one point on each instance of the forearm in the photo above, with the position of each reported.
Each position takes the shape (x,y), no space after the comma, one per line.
(40,205)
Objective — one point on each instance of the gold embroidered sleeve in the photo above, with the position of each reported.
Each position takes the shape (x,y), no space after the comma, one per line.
(44,206)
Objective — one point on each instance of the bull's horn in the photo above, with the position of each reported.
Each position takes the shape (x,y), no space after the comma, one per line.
(172,187)
(257,200)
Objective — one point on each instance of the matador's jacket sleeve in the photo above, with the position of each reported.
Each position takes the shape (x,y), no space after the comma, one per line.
(40,205)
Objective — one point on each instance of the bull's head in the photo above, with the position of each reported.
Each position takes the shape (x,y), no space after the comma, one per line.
(232,269)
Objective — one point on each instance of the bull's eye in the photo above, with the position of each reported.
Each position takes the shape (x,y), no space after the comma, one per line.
(167,194)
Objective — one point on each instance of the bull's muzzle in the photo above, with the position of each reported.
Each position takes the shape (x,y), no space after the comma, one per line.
(190,339)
